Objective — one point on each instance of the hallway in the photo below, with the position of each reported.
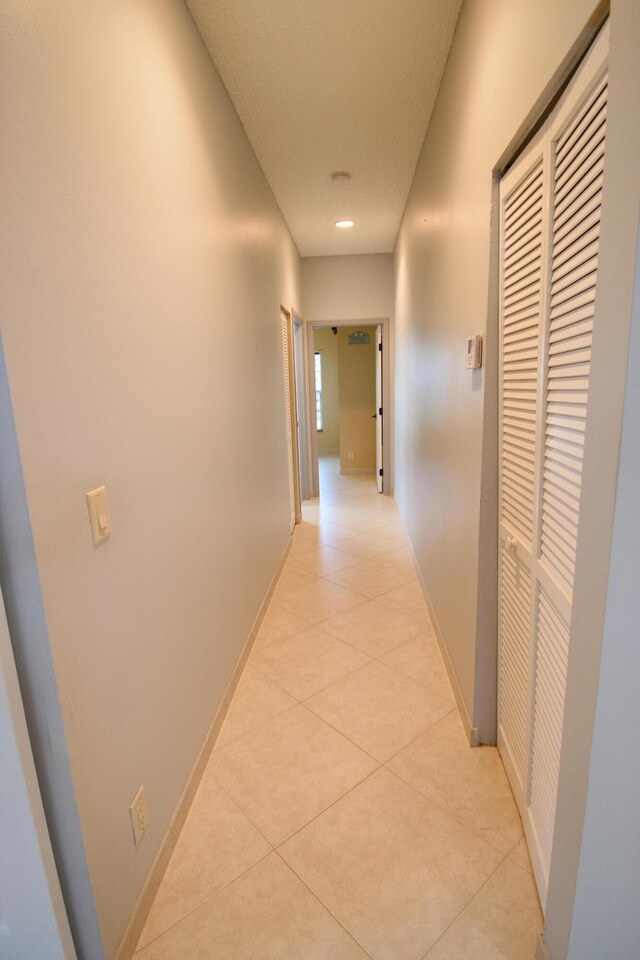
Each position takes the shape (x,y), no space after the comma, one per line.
(342,814)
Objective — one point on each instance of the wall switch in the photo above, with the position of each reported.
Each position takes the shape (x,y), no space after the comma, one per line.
(350,454)
(99,514)
(139,815)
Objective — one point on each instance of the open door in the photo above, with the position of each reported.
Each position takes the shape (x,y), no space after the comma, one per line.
(302,413)
(291,416)
(379,468)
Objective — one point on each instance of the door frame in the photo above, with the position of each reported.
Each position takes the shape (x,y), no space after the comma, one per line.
(387,417)
(290,402)
(35,911)
(379,411)
(303,412)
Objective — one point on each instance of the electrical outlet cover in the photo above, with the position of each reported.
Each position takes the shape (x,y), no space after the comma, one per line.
(139,815)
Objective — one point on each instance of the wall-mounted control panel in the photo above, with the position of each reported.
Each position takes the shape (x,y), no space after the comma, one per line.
(99,514)
(474,353)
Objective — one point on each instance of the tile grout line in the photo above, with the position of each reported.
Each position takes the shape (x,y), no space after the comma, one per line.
(262,723)
(322,904)
(332,804)
(382,594)
(275,847)
(333,683)
(353,532)
(441,806)
(320,812)
(303,703)
(469,901)
(406,676)
(208,898)
(422,797)
(316,623)
(243,812)
(329,685)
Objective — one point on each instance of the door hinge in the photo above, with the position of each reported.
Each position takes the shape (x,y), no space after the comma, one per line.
(381,472)
(380,411)
(380,347)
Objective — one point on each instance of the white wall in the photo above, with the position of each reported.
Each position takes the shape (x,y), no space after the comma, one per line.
(502,59)
(347,288)
(145,262)
(606,918)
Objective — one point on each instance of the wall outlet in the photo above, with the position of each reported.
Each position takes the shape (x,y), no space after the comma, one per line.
(139,815)
(350,455)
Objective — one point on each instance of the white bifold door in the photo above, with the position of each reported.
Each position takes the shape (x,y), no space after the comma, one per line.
(549,224)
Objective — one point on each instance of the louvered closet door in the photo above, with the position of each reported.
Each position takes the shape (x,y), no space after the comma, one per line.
(543,423)
(577,145)
(522,272)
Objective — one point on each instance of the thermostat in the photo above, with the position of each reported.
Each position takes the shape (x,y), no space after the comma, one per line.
(474,353)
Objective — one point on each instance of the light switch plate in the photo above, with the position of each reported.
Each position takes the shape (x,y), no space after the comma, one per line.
(99,514)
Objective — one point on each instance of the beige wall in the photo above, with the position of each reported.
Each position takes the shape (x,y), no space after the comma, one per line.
(357,366)
(445,414)
(145,263)
(348,288)
(327,344)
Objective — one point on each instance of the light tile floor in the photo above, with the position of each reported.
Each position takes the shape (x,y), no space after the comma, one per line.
(343,815)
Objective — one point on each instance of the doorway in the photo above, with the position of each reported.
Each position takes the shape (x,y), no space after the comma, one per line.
(300,375)
(291,416)
(347,393)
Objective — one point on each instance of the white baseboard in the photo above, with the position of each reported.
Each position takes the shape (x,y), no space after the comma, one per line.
(156,873)
(470,730)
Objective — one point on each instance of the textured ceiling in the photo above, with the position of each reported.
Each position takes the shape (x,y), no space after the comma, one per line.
(326,85)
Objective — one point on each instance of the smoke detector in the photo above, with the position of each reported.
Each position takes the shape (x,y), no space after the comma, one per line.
(340,176)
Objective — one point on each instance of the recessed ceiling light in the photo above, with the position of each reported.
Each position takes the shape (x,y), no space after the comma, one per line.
(343,224)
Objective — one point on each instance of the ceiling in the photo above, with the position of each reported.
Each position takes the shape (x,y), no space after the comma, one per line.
(333,85)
